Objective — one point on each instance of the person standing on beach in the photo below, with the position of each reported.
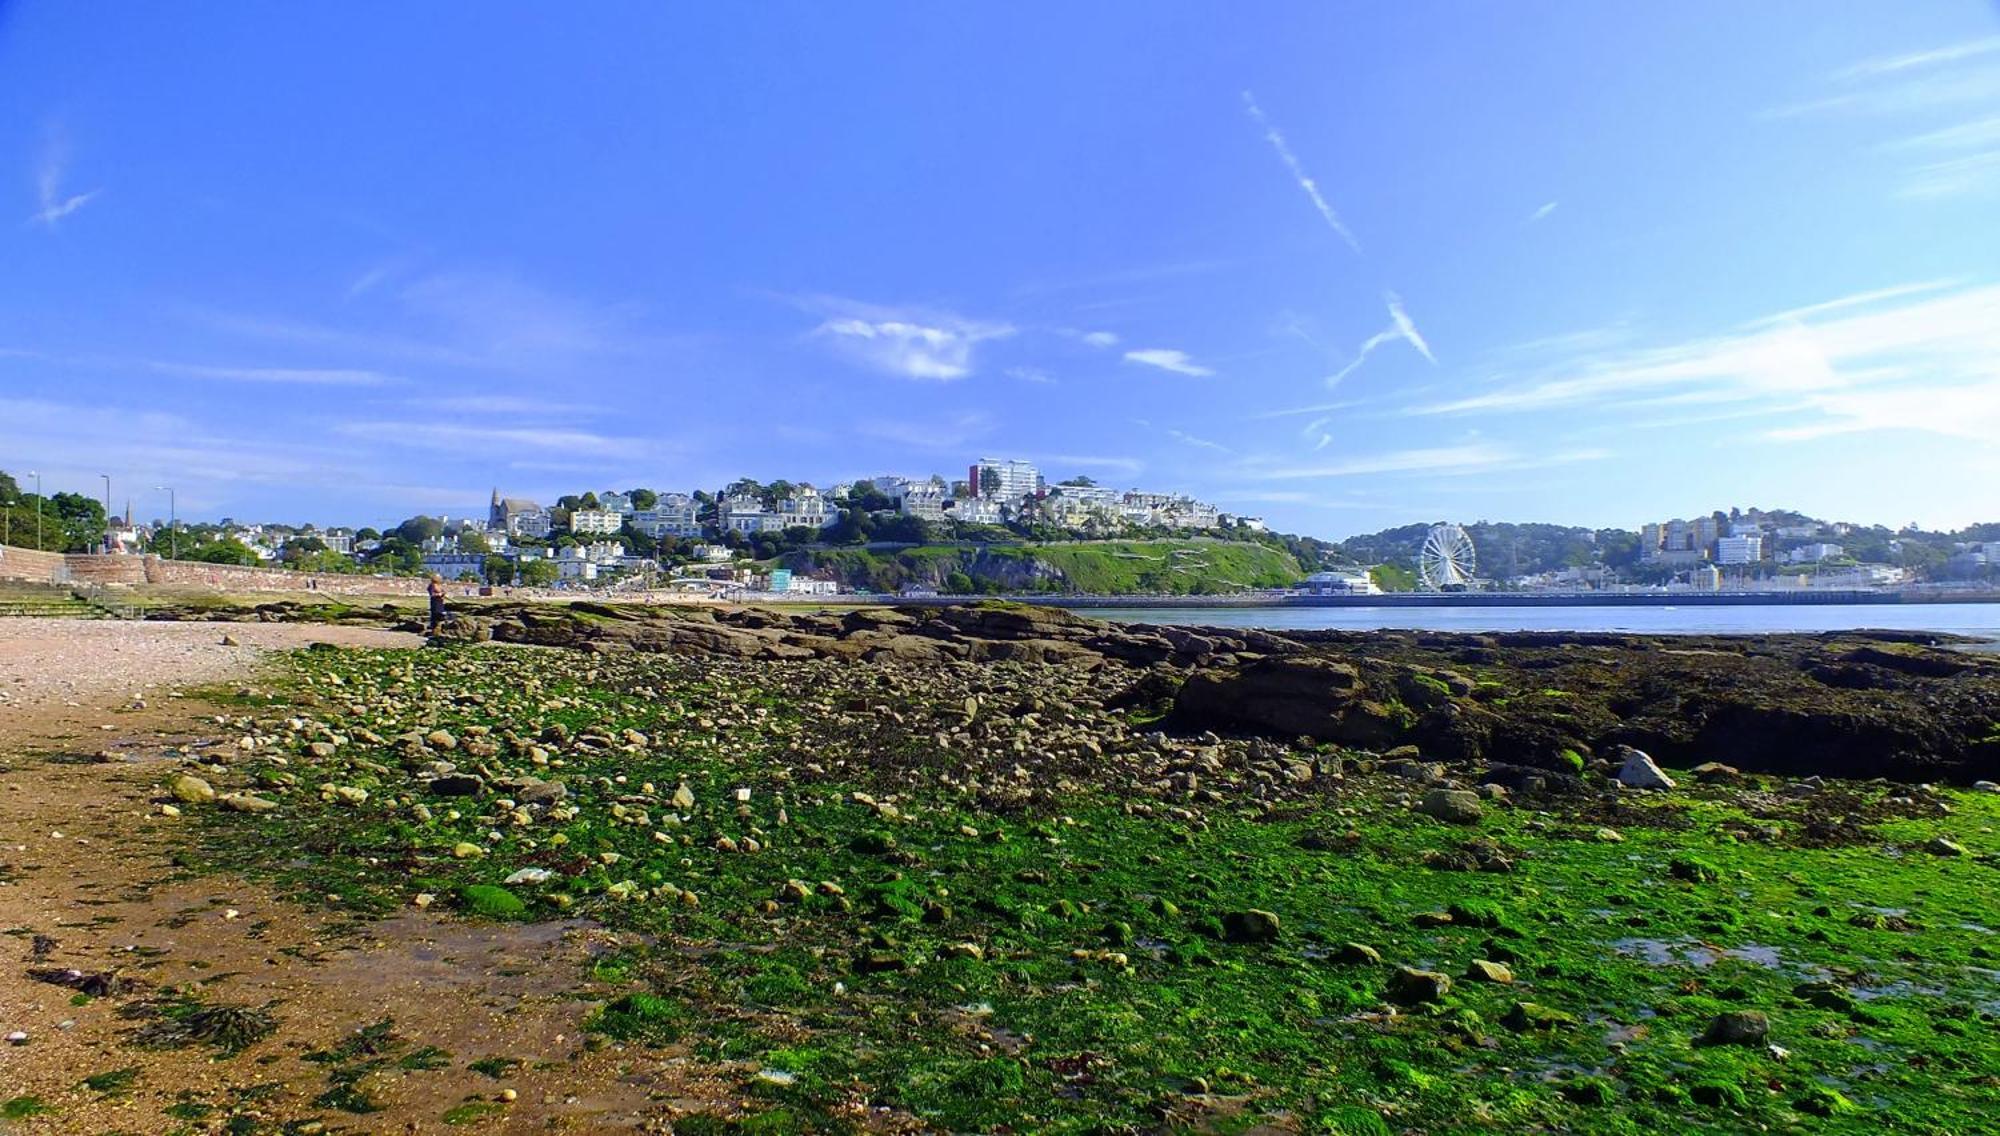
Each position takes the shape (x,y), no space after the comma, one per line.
(436,591)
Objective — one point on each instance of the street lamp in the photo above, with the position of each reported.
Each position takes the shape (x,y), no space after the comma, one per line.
(173,524)
(107,510)
(38,508)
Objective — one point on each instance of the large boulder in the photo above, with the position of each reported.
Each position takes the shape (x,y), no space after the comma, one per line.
(1637,771)
(1288,696)
(1453,806)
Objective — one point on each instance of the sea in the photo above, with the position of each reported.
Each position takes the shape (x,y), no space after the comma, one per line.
(1979,620)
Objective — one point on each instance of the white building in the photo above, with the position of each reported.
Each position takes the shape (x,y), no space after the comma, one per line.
(595,522)
(975,511)
(921,499)
(1739,549)
(674,514)
(1339,584)
(748,516)
(1004,480)
(620,503)
(807,508)
(1814,553)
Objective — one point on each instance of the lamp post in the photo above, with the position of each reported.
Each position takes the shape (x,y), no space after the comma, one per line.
(107,510)
(38,508)
(173,524)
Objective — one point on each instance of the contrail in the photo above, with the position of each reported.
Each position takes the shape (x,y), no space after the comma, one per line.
(1299,174)
(1400,328)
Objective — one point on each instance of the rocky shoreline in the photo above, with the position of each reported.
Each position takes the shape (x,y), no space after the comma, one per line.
(1904,706)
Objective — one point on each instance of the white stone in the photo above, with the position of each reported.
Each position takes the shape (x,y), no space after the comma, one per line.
(1639,772)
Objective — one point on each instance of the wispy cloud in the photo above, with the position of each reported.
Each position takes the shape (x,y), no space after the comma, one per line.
(506,404)
(1100,338)
(1304,180)
(1400,329)
(1198,443)
(1476,455)
(1129,467)
(1029,375)
(1923,357)
(53,203)
(1436,461)
(1948,160)
(909,343)
(946,434)
(1950,53)
(1294,411)
(1954,176)
(1167,359)
(1542,213)
(497,440)
(287,376)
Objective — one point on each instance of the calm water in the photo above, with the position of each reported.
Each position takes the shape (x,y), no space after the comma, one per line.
(1960,619)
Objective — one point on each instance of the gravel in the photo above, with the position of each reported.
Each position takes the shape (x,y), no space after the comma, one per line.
(49,665)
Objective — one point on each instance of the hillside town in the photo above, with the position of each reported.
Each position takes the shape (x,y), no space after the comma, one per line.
(796,538)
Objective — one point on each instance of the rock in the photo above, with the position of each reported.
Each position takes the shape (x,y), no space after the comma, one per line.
(1286,696)
(1944,846)
(541,792)
(246,803)
(1713,771)
(230,641)
(457,785)
(1485,970)
(1608,836)
(1411,986)
(1252,926)
(528,876)
(1534,1016)
(191,790)
(350,794)
(490,901)
(683,798)
(1737,1027)
(1637,771)
(1358,954)
(467,850)
(1411,770)
(1987,786)
(1453,806)
(321,749)
(440,739)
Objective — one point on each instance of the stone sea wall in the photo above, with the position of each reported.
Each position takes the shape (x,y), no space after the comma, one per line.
(25,565)
(97,570)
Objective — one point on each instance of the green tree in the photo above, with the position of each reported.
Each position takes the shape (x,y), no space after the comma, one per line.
(472,540)
(79,519)
(539,573)
(228,550)
(499,569)
(1394,577)
(643,498)
(417,530)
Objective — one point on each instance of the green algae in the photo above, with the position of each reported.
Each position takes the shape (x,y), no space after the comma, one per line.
(1105,989)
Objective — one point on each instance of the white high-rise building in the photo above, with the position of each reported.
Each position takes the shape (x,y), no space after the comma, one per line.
(1004,480)
(1739,549)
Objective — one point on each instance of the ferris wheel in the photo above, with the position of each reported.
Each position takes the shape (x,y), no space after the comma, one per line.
(1448,561)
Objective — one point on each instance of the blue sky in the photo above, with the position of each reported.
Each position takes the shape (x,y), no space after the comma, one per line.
(1341,265)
